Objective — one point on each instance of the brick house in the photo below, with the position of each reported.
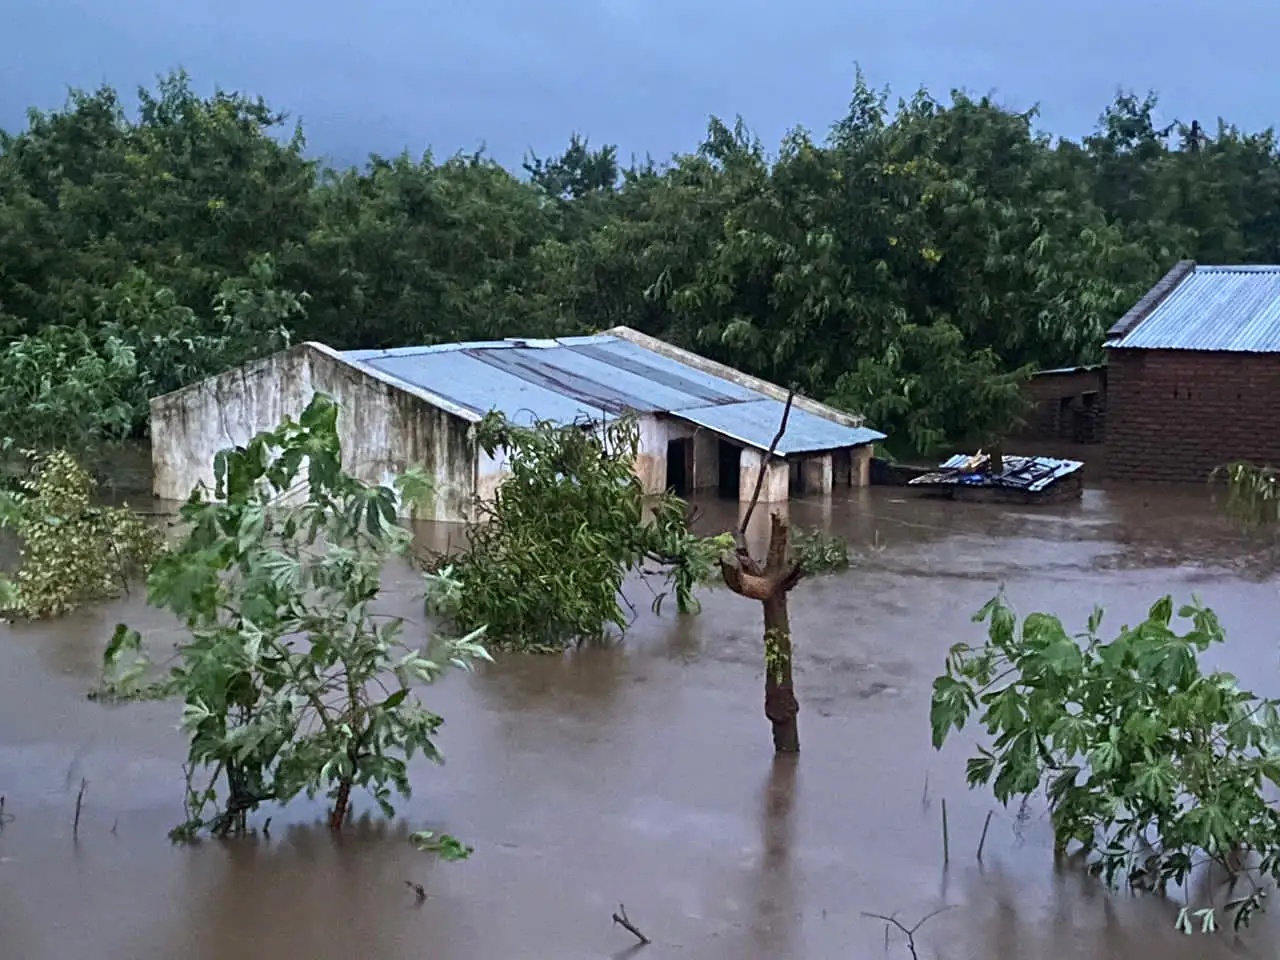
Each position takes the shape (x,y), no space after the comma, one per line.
(1193,375)
(1066,403)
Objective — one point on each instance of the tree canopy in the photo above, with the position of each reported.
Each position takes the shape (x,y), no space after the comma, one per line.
(912,264)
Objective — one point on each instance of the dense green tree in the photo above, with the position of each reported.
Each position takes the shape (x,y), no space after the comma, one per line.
(913,264)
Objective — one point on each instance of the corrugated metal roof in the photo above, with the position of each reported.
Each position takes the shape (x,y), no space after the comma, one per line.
(1033,474)
(1234,309)
(1064,371)
(598,378)
(755,423)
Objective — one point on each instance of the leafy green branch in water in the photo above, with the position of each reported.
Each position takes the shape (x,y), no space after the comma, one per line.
(292,682)
(1253,493)
(545,563)
(1153,767)
(819,552)
(71,550)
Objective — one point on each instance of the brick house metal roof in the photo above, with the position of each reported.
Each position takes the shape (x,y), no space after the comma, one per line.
(598,378)
(1212,308)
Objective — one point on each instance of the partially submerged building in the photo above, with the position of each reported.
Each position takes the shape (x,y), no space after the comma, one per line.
(1066,403)
(1193,374)
(702,425)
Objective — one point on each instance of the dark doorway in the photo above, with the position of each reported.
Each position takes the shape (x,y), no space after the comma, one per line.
(730,456)
(795,478)
(1065,417)
(680,466)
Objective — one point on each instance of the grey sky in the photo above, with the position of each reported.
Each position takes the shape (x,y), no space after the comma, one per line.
(645,74)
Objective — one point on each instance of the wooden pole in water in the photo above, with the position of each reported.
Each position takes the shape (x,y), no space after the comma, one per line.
(946,836)
(983,841)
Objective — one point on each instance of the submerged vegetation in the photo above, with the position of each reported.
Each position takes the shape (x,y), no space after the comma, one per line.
(545,563)
(1252,494)
(1153,768)
(72,550)
(292,681)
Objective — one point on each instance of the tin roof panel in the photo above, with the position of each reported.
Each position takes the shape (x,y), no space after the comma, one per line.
(471,383)
(1232,309)
(755,423)
(600,377)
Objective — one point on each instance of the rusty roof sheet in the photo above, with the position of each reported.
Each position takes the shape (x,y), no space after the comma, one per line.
(597,378)
(1234,309)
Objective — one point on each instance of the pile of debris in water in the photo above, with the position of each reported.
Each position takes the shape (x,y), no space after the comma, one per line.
(984,476)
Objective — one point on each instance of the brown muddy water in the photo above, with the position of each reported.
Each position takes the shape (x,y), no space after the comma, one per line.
(641,774)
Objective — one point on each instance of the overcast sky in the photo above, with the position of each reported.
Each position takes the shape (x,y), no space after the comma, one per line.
(383,75)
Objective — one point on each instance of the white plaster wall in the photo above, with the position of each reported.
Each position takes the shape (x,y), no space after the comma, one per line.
(706,460)
(383,429)
(190,426)
(775,488)
(651,460)
(817,474)
(491,471)
(680,429)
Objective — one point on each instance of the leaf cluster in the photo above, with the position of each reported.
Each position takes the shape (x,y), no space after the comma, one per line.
(1153,766)
(292,681)
(71,550)
(545,563)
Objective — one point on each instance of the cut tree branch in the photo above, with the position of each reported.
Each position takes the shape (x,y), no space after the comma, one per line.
(620,919)
(764,464)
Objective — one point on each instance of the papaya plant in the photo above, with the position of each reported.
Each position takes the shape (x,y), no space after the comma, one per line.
(292,681)
(1153,767)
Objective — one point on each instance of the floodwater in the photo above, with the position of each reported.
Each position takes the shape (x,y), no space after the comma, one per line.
(642,775)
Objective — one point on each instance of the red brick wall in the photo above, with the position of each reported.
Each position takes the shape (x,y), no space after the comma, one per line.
(1048,418)
(1176,414)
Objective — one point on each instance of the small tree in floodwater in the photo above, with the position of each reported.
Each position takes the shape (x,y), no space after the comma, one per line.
(771,582)
(545,563)
(1154,768)
(292,683)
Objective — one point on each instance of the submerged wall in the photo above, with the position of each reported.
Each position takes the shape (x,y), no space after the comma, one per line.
(383,427)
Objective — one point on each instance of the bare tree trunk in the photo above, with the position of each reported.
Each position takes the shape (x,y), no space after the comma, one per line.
(770,585)
(341,804)
(780,704)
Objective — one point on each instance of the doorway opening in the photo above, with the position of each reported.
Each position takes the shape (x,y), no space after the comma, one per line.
(730,456)
(680,467)
(795,478)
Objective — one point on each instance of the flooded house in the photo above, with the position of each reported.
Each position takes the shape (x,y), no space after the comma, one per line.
(1066,403)
(703,426)
(1193,374)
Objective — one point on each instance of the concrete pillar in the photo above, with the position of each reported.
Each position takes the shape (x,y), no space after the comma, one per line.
(860,474)
(817,474)
(651,458)
(757,532)
(776,477)
(706,460)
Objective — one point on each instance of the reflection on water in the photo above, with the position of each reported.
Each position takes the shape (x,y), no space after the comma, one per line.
(641,773)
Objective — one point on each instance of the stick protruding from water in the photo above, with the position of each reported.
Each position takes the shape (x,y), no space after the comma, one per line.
(946,836)
(982,842)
